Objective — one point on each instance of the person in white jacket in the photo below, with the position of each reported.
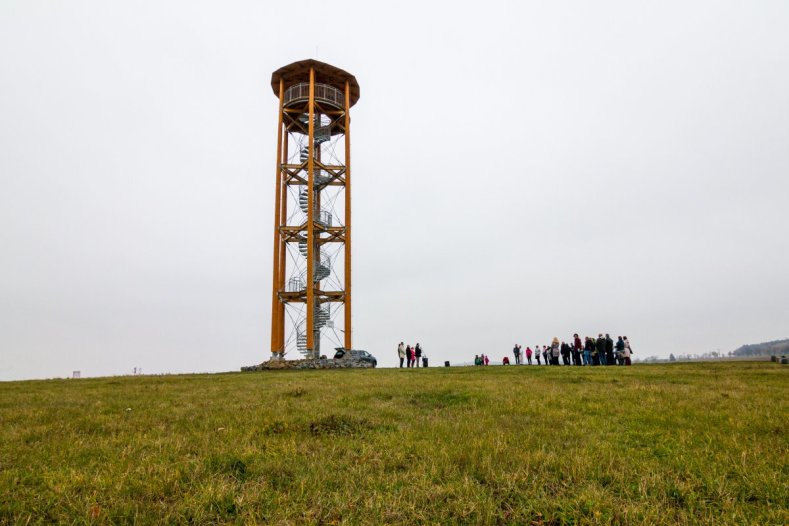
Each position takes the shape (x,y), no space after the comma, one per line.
(401,353)
(628,351)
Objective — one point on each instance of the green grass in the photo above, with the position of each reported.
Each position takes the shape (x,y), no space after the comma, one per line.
(658,444)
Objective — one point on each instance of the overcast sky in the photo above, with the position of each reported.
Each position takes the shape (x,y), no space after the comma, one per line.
(522,170)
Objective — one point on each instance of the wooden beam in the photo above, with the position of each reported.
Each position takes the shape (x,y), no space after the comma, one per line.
(325,296)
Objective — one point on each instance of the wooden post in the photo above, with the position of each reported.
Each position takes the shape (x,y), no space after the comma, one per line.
(275,342)
(348,340)
(283,220)
(310,324)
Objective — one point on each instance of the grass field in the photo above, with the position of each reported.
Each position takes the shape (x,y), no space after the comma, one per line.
(659,444)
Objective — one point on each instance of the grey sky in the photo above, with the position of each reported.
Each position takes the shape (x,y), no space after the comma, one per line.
(522,170)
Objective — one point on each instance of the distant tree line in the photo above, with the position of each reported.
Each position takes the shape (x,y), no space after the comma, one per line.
(714,355)
(774,348)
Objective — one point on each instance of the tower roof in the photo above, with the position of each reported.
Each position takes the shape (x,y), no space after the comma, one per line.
(324,73)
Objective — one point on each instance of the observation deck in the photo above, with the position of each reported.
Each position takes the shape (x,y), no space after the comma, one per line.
(329,83)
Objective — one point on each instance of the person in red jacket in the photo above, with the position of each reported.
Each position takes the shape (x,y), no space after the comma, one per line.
(528,355)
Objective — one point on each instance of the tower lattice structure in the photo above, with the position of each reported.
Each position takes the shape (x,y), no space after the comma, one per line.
(311,288)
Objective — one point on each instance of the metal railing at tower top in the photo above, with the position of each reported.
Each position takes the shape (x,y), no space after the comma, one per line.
(323,93)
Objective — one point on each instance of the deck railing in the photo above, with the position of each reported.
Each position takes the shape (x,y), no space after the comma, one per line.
(323,92)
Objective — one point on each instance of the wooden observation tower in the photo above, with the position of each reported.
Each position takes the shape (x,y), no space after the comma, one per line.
(311,287)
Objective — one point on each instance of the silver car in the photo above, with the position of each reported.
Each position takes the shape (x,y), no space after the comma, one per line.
(355,354)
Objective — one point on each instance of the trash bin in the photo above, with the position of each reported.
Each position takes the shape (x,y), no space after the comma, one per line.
(424,361)
(446,364)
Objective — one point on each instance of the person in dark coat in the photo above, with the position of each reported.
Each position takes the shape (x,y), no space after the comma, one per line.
(588,348)
(577,347)
(417,354)
(595,355)
(600,346)
(620,351)
(565,353)
(408,355)
(609,350)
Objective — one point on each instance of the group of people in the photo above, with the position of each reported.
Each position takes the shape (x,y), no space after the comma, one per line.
(592,351)
(411,355)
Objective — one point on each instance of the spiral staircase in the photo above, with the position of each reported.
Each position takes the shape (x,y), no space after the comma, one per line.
(322,315)
(322,267)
